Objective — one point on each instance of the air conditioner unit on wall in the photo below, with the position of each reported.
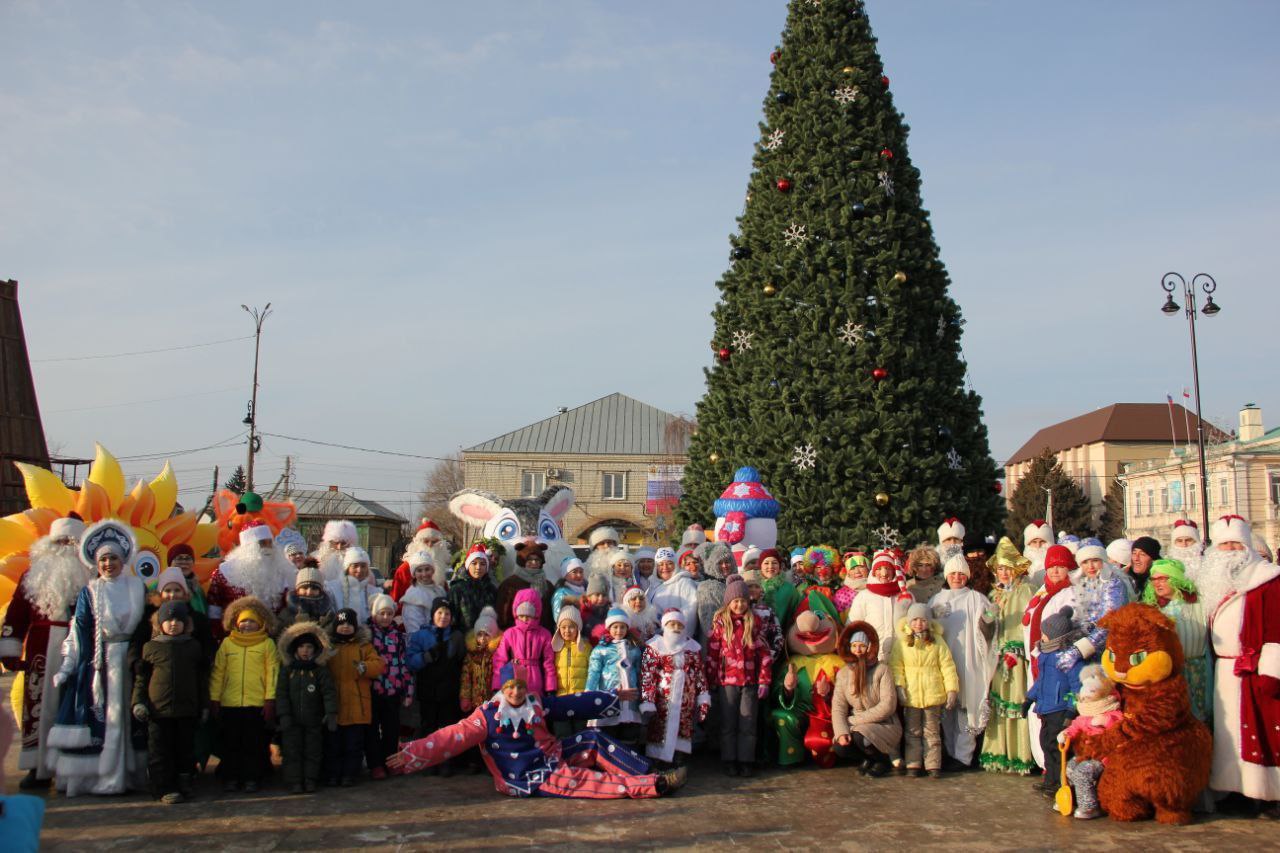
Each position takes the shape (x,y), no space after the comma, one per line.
(554,473)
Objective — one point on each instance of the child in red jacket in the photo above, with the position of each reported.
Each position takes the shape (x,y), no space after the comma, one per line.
(739,666)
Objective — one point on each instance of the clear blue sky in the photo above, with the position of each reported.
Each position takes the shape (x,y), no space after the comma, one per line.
(469,214)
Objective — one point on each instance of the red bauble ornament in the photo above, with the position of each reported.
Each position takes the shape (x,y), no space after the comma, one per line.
(886,153)
(997,488)
(773,57)
(879,373)
(784,185)
(723,354)
(884,79)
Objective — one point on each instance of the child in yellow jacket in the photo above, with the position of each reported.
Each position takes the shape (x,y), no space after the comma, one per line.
(927,682)
(573,654)
(242,692)
(354,666)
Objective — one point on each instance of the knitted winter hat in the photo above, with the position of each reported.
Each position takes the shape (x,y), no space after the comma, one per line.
(770,552)
(918,610)
(487,621)
(245,615)
(735,587)
(353,555)
(1148,546)
(1059,555)
(569,613)
(306,576)
(381,602)
(527,603)
(179,550)
(442,603)
(1120,551)
(174,575)
(347,616)
(957,563)
(617,615)
(173,610)
(1058,625)
(598,584)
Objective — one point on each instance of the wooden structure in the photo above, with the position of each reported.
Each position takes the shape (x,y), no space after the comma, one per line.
(21,431)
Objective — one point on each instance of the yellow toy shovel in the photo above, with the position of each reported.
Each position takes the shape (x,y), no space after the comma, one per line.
(1063,800)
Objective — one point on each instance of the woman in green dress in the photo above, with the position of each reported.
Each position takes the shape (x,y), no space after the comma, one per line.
(1006,747)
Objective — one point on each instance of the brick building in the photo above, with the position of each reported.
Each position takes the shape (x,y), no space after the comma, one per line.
(623,459)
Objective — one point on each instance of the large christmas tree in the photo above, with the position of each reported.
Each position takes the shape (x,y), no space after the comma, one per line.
(837,349)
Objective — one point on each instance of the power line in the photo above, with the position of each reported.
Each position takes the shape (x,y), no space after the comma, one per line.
(361,449)
(139,352)
(226,442)
(141,402)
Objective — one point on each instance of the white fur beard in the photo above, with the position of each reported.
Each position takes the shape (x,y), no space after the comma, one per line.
(262,574)
(1218,574)
(54,578)
(330,560)
(440,556)
(1036,555)
(1185,555)
(598,561)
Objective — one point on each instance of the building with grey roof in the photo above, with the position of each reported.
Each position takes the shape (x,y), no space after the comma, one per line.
(624,459)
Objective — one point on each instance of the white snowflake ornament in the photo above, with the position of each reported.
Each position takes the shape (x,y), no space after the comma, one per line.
(954,462)
(773,141)
(795,235)
(847,94)
(742,340)
(805,457)
(886,183)
(852,333)
(889,536)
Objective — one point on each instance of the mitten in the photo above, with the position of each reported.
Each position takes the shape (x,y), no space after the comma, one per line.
(140,713)
(953,699)
(1068,659)
(762,692)
(361,667)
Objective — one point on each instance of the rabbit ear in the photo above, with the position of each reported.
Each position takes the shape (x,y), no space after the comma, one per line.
(556,501)
(474,506)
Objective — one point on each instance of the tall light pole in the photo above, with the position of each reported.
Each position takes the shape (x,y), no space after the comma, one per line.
(1170,283)
(251,419)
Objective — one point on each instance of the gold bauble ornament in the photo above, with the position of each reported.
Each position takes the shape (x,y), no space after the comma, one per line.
(714,457)
(848,69)
(900,277)
(882,499)
(769,290)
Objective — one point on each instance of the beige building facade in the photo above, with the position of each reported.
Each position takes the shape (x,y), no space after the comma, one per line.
(623,459)
(1096,447)
(1243,479)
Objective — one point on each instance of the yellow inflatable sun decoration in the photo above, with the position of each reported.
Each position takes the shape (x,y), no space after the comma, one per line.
(148,508)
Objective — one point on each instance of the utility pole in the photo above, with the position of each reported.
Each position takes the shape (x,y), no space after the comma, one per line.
(288,473)
(251,420)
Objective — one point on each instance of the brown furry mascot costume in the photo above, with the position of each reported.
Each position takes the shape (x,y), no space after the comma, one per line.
(1158,757)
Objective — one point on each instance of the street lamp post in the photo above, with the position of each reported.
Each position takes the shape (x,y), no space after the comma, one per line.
(1170,283)
(251,419)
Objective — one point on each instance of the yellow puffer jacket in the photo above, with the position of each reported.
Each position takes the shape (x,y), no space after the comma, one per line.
(244,675)
(355,702)
(571,666)
(926,670)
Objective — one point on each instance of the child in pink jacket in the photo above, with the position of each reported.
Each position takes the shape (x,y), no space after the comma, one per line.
(1099,706)
(527,645)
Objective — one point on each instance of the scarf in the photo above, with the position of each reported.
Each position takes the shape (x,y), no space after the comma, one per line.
(1101,705)
(888,590)
(1032,617)
(248,638)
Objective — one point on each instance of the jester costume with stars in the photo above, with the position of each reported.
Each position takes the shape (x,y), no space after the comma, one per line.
(525,759)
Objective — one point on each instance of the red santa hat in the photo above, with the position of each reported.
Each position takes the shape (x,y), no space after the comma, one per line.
(1185,527)
(1060,555)
(428,529)
(672,614)
(950,528)
(1231,528)
(255,531)
(1038,529)
(477,552)
(885,557)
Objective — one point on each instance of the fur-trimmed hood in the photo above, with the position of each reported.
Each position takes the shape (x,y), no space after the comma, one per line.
(873,640)
(235,608)
(298,629)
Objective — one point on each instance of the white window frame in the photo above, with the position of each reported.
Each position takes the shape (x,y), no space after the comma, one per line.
(535,477)
(1223,494)
(1191,496)
(614,477)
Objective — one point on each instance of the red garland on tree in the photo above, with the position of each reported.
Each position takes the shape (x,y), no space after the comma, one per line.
(784,185)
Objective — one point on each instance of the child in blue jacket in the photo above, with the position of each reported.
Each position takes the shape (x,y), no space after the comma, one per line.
(1054,692)
(614,666)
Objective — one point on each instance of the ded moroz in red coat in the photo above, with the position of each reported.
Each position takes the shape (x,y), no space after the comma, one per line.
(1245,630)
(673,687)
